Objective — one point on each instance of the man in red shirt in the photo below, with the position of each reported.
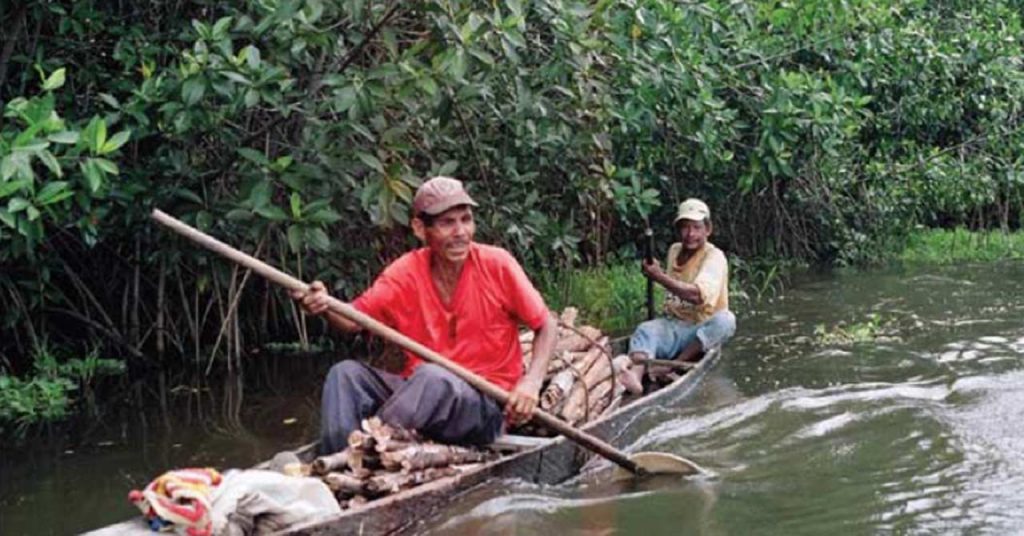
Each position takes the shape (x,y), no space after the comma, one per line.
(459,298)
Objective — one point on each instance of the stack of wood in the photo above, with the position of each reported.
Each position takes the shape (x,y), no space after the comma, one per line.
(580,383)
(381,460)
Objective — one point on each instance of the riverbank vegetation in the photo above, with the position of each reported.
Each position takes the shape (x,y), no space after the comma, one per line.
(950,246)
(820,132)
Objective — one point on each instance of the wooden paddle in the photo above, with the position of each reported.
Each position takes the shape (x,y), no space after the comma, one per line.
(649,257)
(641,464)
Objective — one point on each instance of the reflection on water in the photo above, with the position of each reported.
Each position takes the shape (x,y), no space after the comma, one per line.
(917,429)
(68,490)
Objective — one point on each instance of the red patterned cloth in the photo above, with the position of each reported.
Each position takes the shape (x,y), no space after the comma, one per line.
(181,497)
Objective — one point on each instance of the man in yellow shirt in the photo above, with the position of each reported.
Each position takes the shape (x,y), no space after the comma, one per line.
(696,281)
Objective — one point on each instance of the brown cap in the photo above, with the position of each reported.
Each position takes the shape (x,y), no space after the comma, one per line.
(440,194)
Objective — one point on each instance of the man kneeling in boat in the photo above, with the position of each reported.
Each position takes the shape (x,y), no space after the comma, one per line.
(459,298)
(696,302)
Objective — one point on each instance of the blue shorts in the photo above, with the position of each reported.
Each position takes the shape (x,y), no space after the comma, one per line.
(665,337)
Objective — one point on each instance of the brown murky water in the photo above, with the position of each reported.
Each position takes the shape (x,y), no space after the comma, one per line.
(862,403)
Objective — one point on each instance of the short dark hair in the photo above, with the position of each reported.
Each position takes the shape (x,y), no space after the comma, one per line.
(427,219)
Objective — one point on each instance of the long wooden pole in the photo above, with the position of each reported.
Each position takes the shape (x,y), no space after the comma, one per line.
(649,257)
(273,274)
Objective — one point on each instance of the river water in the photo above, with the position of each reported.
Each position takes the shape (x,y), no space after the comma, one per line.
(915,426)
(886,401)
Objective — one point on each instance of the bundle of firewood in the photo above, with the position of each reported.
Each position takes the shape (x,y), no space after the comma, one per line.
(580,383)
(381,460)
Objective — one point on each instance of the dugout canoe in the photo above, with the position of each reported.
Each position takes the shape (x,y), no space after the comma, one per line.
(537,460)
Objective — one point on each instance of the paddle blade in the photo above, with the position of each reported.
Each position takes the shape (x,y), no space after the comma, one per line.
(659,463)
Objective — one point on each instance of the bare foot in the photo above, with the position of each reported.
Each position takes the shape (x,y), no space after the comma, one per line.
(631,377)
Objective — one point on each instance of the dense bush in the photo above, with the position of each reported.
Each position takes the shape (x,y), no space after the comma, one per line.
(818,130)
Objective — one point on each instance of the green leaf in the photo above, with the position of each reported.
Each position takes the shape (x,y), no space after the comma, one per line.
(110,100)
(192,90)
(252,98)
(401,190)
(325,215)
(67,137)
(220,28)
(282,163)
(295,238)
(272,213)
(449,167)
(485,57)
(254,156)
(33,213)
(32,148)
(8,188)
(296,205)
(428,85)
(55,80)
(53,192)
(106,165)
(17,204)
(204,220)
(185,193)
(318,239)
(252,57)
(95,134)
(237,77)
(9,220)
(50,161)
(371,161)
(16,164)
(93,175)
(344,98)
(238,214)
(260,194)
(116,142)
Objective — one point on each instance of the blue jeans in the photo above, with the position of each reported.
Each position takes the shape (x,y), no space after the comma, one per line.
(665,337)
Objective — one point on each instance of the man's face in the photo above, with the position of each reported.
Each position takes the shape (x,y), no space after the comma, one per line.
(693,233)
(450,234)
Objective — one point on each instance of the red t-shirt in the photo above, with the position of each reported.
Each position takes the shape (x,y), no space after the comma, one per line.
(479,328)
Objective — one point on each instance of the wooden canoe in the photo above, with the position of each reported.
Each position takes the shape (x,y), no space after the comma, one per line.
(537,460)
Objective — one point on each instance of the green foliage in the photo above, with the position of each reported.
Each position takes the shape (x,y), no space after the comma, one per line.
(857,332)
(51,172)
(612,297)
(38,400)
(759,279)
(949,246)
(45,396)
(819,131)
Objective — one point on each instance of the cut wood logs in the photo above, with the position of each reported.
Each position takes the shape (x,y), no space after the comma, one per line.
(581,381)
(383,459)
(429,455)
(330,463)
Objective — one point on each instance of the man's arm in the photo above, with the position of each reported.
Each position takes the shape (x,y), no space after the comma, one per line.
(315,302)
(524,396)
(686,291)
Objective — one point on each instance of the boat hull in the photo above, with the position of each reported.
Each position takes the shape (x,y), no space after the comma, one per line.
(551,462)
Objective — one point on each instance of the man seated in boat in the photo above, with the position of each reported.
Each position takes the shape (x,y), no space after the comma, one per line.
(697,298)
(460,298)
